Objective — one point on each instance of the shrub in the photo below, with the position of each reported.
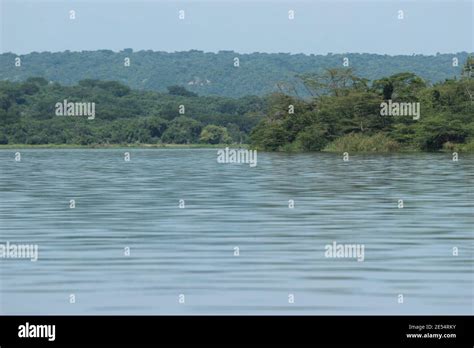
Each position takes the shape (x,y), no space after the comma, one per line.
(356,142)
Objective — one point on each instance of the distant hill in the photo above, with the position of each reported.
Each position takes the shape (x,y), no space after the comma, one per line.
(215,73)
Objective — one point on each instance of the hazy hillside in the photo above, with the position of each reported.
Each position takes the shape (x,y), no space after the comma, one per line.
(215,73)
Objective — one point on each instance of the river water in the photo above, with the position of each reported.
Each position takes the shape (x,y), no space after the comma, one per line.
(127,247)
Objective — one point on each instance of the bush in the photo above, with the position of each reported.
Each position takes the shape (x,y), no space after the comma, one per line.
(212,134)
(438,130)
(356,142)
(467,147)
(182,130)
(269,136)
(3,139)
(312,138)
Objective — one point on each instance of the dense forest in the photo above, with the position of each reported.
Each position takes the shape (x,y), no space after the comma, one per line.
(343,113)
(28,115)
(225,73)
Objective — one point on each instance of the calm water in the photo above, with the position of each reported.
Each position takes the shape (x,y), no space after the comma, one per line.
(190,251)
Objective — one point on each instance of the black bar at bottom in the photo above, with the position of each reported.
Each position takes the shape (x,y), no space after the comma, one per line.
(452,331)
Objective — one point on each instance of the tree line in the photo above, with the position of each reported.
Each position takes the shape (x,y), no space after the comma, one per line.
(345,114)
(122,115)
(208,73)
(341,112)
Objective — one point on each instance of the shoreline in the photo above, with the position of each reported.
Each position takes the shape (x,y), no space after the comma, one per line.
(204,146)
(117,146)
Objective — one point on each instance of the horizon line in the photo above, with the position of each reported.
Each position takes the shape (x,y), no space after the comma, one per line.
(240,53)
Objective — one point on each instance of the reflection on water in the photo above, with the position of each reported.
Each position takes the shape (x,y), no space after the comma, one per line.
(190,251)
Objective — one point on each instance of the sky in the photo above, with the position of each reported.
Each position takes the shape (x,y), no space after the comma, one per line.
(244,26)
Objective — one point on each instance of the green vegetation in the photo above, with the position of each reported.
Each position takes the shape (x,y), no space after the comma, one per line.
(345,115)
(356,142)
(214,73)
(341,113)
(122,116)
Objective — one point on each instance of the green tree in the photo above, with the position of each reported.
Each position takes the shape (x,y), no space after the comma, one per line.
(182,130)
(212,134)
(181,91)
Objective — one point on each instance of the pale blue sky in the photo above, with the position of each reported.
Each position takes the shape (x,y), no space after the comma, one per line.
(247,26)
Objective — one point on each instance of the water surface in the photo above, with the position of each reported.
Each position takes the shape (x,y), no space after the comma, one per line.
(190,251)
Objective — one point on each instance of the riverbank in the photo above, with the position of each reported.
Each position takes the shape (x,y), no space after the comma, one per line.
(115,146)
(333,148)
